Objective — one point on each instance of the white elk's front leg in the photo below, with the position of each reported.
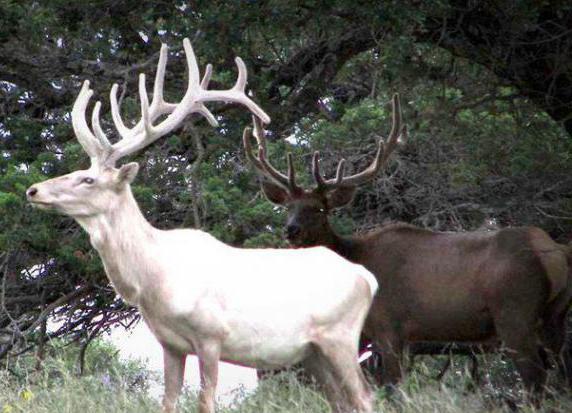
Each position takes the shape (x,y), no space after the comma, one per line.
(174,372)
(209,355)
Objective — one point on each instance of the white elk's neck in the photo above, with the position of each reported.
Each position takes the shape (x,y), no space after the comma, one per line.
(121,236)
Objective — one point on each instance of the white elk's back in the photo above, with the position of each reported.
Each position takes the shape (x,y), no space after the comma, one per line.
(243,275)
(266,303)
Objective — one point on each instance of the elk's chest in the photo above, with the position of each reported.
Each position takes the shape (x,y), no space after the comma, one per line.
(180,320)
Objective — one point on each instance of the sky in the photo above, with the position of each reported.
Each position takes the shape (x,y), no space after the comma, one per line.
(139,343)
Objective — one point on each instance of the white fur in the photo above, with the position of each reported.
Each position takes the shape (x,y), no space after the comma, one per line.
(262,308)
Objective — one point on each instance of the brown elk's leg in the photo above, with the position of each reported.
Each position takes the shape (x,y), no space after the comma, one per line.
(387,341)
(391,347)
(209,355)
(474,372)
(174,371)
(554,338)
(554,332)
(519,335)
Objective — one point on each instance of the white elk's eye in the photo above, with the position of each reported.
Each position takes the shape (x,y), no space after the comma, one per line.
(87,180)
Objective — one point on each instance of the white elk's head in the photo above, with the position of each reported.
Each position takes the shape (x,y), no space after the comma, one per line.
(95,190)
(83,193)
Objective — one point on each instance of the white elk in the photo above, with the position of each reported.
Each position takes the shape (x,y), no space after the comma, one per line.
(263,308)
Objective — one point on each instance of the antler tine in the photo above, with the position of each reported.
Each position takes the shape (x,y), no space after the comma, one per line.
(320,181)
(98,130)
(200,107)
(237,93)
(404,136)
(145,132)
(261,163)
(383,152)
(115,113)
(259,132)
(94,145)
(158,105)
(396,130)
(246,136)
(194,85)
(316,170)
(277,176)
(292,174)
(340,172)
(144,101)
(288,182)
(193,101)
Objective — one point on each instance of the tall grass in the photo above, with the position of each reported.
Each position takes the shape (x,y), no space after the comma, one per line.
(115,386)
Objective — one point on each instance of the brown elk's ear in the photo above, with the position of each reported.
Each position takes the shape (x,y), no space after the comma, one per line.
(275,194)
(340,196)
(127,173)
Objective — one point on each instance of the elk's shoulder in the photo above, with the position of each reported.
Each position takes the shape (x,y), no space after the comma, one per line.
(400,228)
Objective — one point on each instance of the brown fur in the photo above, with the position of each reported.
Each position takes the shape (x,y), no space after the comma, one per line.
(511,285)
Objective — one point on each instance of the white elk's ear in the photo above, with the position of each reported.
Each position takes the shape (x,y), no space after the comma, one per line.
(127,173)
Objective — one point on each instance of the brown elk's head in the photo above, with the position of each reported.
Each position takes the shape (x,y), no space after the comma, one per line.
(307,223)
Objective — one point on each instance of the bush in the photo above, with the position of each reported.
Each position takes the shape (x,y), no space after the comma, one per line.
(112,385)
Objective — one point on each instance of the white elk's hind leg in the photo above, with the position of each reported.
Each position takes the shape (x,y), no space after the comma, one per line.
(174,372)
(338,347)
(319,368)
(209,355)
(340,356)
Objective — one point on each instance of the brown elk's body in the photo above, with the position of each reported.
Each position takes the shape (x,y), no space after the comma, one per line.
(511,285)
(460,286)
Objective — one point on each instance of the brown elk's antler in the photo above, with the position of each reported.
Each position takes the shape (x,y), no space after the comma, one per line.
(261,163)
(385,148)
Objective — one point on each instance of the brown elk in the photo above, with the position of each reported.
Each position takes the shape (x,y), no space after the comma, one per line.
(511,285)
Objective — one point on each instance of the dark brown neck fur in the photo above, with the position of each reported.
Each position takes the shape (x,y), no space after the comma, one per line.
(355,247)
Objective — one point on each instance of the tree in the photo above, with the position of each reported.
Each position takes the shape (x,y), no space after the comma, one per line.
(486,92)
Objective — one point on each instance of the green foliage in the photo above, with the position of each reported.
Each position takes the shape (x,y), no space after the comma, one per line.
(474,138)
(282,393)
(108,384)
(16,218)
(113,385)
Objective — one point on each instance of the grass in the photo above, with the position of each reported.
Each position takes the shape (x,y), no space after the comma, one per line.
(113,387)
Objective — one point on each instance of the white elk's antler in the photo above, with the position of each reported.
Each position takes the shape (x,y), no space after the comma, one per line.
(102,152)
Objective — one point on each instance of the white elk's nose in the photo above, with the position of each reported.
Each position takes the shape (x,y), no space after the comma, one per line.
(31,192)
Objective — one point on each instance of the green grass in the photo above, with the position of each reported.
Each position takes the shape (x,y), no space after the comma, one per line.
(114,386)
